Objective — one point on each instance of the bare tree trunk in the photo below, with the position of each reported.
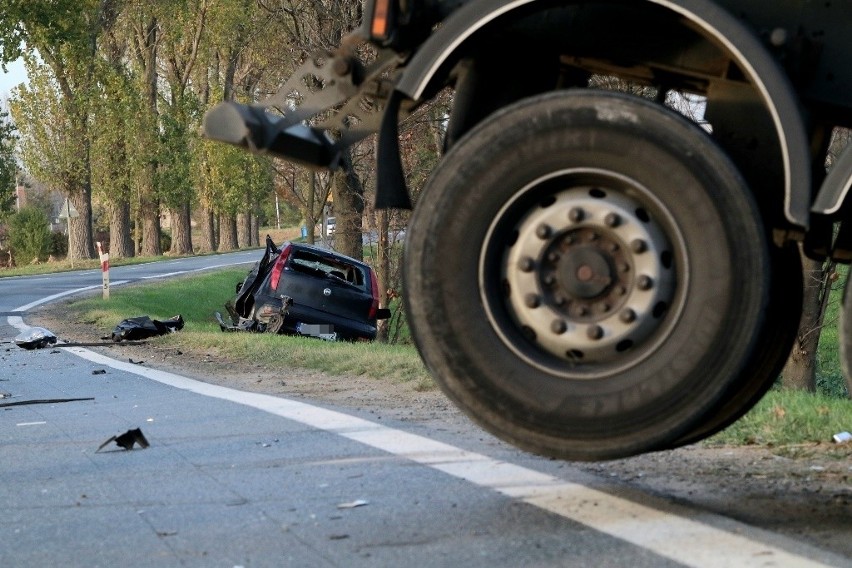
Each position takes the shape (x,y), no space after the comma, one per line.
(244,230)
(255,230)
(208,231)
(150,209)
(227,232)
(800,370)
(181,230)
(348,195)
(81,243)
(120,242)
(149,205)
(310,217)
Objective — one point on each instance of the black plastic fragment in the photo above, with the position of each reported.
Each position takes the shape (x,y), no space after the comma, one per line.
(127,440)
(143,327)
(43,401)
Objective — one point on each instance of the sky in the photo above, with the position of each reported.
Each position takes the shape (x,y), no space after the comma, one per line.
(16,75)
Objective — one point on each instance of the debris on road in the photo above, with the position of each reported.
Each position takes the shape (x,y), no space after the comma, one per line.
(842,438)
(143,327)
(35,338)
(99,372)
(43,401)
(353,504)
(127,440)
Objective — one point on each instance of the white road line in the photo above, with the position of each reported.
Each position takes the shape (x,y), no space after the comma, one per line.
(659,531)
(31,305)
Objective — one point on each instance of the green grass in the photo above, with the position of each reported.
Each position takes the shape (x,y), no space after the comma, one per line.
(782,418)
(786,417)
(196,298)
(830,379)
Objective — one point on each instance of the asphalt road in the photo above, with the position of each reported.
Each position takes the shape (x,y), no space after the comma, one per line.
(240,479)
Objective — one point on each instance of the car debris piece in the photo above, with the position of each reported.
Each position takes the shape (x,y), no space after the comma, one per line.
(43,401)
(143,327)
(842,438)
(35,338)
(353,504)
(99,372)
(127,440)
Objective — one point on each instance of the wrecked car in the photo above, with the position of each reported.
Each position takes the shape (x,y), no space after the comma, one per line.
(306,290)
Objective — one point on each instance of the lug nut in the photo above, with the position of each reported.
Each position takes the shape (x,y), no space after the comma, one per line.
(644,282)
(627,316)
(341,66)
(595,332)
(582,311)
(553,257)
(621,290)
(532,300)
(575,214)
(638,246)
(624,267)
(612,220)
(526,264)
(558,326)
(543,231)
(559,300)
(549,280)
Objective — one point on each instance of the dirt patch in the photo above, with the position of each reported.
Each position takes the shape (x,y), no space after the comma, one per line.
(802,491)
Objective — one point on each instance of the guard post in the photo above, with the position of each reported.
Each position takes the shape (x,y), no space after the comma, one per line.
(104,256)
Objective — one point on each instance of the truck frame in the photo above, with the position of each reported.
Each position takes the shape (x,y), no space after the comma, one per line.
(590,274)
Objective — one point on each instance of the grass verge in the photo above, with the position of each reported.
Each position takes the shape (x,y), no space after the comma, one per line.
(787,417)
(196,298)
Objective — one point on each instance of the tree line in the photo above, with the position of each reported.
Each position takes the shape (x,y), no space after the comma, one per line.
(111,114)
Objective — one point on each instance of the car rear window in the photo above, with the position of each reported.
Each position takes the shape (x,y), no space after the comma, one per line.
(318,265)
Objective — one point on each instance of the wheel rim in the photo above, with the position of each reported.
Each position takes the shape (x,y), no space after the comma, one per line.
(591,271)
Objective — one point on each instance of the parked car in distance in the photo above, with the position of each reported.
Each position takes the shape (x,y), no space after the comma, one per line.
(303,289)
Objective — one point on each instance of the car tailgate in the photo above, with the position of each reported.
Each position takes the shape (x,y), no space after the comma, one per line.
(328,294)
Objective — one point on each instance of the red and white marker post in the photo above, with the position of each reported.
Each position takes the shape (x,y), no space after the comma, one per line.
(104,256)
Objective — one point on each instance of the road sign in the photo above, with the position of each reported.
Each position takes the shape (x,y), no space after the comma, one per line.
(68,210)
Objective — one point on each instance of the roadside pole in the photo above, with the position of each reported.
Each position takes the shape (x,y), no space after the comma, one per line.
(104,256)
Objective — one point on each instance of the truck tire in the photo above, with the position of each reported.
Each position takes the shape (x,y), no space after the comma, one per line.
(772,348)
(586,275)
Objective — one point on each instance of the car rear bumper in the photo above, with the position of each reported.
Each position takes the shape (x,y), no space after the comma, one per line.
(328,323)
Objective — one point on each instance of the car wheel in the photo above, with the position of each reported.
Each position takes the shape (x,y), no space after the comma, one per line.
(586,274)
